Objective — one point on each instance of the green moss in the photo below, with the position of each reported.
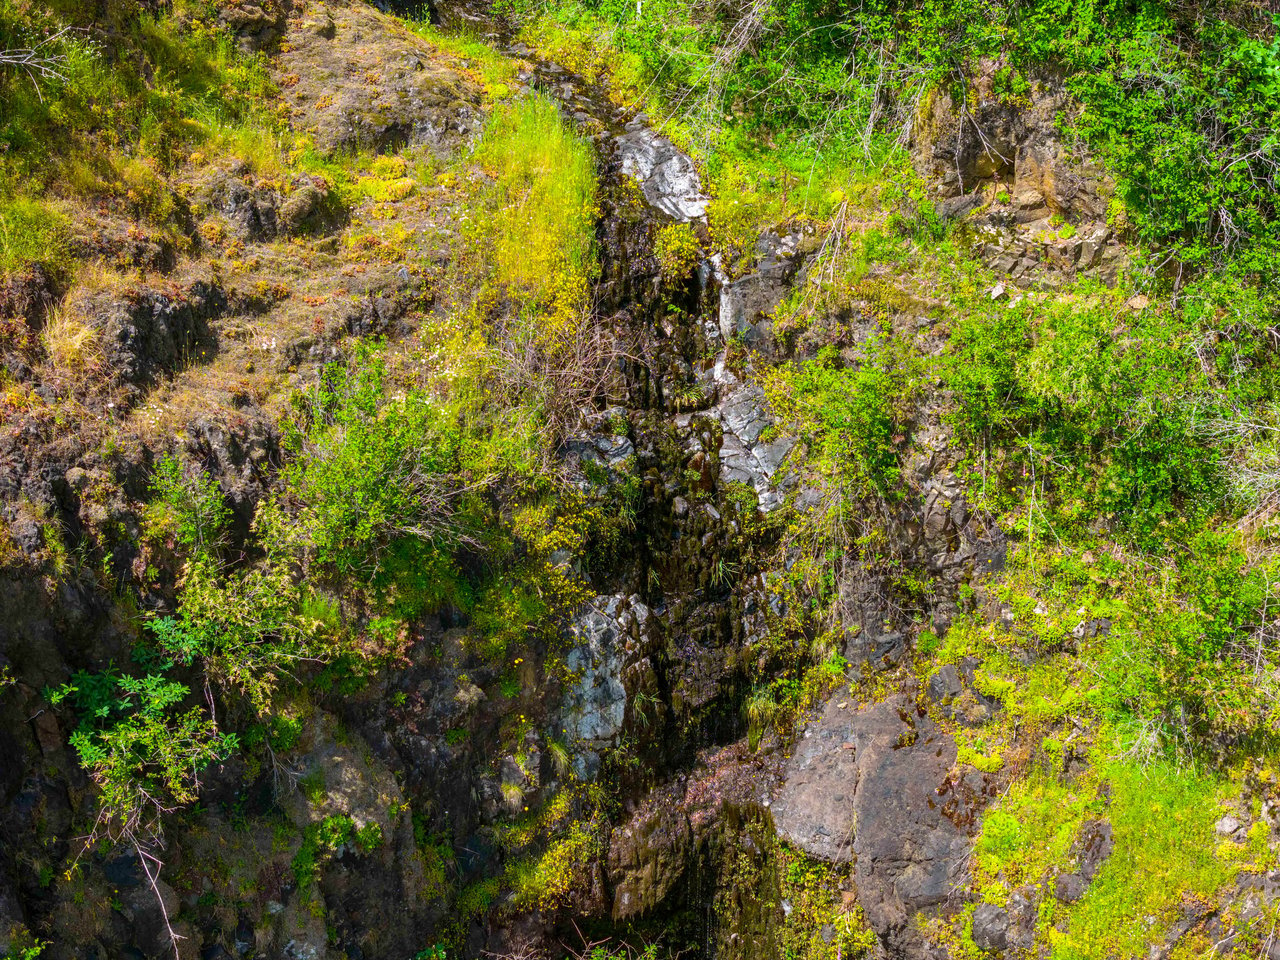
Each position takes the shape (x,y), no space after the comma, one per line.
(1029,833)
(822,924)
(1162,819)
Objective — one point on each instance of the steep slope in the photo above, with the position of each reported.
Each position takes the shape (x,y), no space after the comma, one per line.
(452,513)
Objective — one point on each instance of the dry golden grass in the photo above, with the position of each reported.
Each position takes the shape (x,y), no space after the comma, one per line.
(71,345)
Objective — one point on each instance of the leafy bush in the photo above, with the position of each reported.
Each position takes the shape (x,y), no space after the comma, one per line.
(1197,661)
(848,416)
(190,503)
(378,478)
(244,629)
(1180,107)
(142,750)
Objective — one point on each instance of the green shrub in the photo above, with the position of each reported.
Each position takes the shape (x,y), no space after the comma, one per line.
(1193,659)
(143,751)
(849,417)
(190,503)
(243,628)
(169,82)
(378,478)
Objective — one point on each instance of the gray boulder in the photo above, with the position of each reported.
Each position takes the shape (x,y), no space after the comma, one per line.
(667,177)
(991,928)
(872,785)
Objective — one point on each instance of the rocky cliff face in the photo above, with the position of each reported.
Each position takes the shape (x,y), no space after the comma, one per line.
(712,815)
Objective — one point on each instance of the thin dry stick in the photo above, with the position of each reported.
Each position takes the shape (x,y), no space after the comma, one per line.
(36,62)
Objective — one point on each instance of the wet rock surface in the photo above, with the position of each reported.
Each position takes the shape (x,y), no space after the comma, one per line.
(605,636)
(747,303)
(667,177)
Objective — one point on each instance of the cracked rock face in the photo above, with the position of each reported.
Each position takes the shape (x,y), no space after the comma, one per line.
(748,454)
(595,706)
(667,177)
(747,303)
(872,785)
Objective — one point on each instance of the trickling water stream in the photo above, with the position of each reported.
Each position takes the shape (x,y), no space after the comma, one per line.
(696,428)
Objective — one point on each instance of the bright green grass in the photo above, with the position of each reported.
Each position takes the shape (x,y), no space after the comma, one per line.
(1163,822)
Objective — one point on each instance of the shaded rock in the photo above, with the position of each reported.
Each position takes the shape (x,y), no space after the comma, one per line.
(815,809)
(911,840)
(747,303)
(146,908)
(257,26)
(152,333)
(251,213)
(608,450)
(745,456)
(27,295)
(1093,846)
(990,928)
(877,648)
(1023,913)
(953,688)
(945,685)
(954,208)
(648,857)
(302,210)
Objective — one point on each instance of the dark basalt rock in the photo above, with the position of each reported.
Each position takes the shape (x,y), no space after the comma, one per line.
(990,928)
(152,333)
(648,857)
(872,785)
(747,303)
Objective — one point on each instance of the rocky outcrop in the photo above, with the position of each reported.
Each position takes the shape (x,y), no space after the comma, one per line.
(151,333)
(255,211)
(258,26)
(874,785)
(357,80)
(747,303)
(1041,208)
(608,637)
(667,176)
(1015,139)
(649,855)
